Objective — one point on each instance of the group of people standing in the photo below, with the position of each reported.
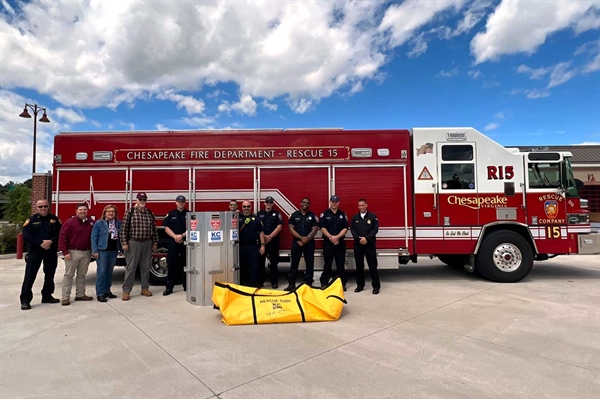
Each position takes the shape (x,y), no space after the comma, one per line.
(80,238)
(259,238)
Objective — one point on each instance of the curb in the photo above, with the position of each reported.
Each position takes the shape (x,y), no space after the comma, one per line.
(9,256)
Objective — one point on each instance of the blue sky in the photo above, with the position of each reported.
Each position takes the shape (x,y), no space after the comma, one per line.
(523,72)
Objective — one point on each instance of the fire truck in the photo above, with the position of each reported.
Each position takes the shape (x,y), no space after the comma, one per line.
(452,193)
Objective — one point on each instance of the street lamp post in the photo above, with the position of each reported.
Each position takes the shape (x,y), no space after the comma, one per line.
(44,119)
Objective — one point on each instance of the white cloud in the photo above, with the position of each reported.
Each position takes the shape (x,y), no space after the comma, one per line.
(521,26)
(491,126)
(535,93)
(98,53)
(419,46)
(447,74)
(269,106)
(593,65)
(471,17)
(160,126)
(246,106)
(301,106)
(561,74)
(476,74)
(533,73)
(499,115)
(16,144)
(487,84)
(8,7)
(69,115)
(191,104)
(589,143)
(198,122)
(403,20)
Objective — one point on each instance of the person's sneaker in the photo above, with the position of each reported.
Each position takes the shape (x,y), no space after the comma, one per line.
(83,298)
(110,295)
(102,298)
(126,296)
(25,306)
(50,299)
(66,302)
(146,293)
(291,287)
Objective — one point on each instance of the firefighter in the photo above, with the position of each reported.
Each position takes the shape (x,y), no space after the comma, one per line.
(252,244)
(272,223)
(175,227)
(364,228)
(303,228)
(233,205)
(40,232)
(334,225)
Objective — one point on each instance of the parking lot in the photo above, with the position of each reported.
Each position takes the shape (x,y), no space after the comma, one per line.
(433,331)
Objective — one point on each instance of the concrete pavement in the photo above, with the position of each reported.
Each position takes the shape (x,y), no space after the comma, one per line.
(434,331)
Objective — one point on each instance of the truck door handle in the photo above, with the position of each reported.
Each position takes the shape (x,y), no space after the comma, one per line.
(434,185)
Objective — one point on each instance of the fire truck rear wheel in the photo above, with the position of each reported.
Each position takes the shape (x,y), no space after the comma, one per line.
(158,268)
(505,257)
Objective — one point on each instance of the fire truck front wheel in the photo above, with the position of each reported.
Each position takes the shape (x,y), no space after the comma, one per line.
(505,257)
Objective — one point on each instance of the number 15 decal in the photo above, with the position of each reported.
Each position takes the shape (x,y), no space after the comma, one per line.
(553,232)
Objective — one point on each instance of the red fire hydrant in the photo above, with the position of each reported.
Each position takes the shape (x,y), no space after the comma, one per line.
(20,246)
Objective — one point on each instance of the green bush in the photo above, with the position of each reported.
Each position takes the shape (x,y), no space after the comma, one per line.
(8,239)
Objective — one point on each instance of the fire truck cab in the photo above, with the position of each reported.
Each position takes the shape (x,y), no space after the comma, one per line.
(448,192)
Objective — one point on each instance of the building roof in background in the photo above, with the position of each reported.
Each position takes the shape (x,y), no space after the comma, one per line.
(582,154)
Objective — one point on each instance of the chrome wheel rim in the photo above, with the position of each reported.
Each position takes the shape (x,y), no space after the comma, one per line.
(159,264)
(507,257)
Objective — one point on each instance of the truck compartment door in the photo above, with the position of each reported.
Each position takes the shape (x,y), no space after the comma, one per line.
(97,187)
(162,185)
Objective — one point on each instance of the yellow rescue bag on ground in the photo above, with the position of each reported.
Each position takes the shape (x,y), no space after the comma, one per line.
(247,305)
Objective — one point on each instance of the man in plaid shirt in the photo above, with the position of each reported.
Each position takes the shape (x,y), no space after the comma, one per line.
(139,238)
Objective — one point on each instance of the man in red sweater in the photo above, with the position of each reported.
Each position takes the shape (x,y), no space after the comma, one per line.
(75,242)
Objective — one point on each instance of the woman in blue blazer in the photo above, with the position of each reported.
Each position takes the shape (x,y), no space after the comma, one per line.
(105,248)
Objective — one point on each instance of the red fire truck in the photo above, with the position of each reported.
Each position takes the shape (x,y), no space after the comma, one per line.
(448,192)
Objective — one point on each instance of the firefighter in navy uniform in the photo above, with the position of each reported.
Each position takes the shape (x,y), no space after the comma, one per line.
(175,227)
(251,244)
(334,225)
(40,232)
(364,227)
(272,224)
(303,228)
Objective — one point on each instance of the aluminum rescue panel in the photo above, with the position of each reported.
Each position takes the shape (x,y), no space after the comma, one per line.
(212,253)
(589,244)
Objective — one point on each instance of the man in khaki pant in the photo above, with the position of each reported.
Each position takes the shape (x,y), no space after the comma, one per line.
(76,244)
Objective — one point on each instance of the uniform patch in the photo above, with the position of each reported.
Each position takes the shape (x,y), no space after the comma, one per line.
(280,218)
(368,221)
(26,223)
(52,221)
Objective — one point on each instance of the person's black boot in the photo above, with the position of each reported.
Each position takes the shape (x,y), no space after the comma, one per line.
(291,287)
(102,298)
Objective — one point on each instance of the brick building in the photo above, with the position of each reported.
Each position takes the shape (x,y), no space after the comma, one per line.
(41,188)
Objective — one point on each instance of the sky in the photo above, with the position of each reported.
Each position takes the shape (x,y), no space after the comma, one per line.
(524,72)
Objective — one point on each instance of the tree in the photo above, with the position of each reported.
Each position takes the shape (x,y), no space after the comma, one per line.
(19,207)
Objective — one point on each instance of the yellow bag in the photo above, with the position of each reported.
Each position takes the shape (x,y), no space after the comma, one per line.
(247,305)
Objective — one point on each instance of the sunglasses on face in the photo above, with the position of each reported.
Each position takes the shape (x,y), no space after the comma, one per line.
(142,199)
(306,202)
(268,202)
(246,207)
(43,206)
